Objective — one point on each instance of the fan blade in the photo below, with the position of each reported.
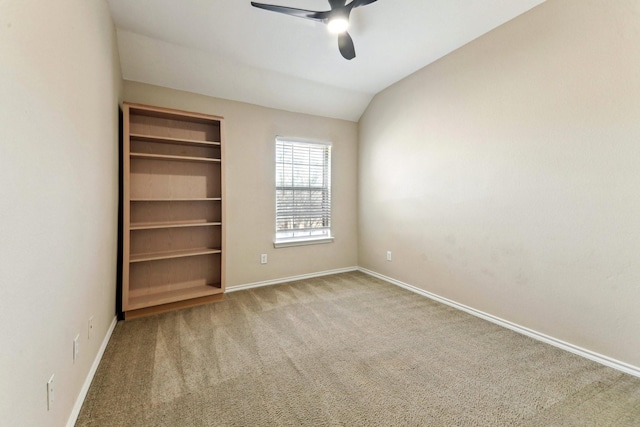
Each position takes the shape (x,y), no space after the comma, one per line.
(358,3)
(345,44)
(300,13)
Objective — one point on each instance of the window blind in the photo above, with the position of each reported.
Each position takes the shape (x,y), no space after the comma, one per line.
(303,190)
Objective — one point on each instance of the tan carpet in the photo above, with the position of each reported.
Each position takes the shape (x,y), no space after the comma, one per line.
(345,350)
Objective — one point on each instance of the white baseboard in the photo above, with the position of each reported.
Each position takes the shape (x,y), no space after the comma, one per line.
(87,382)
(599,358)
(289,279)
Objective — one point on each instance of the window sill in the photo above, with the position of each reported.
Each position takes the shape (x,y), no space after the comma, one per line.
(298,242)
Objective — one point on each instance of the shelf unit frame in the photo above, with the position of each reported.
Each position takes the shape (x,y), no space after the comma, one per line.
(164,289)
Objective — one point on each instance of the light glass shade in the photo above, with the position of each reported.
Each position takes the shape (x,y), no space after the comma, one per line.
(338,25)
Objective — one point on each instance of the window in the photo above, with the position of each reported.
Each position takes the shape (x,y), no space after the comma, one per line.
(303,192)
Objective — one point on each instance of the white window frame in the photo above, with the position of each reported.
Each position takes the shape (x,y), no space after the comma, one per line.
(285,237)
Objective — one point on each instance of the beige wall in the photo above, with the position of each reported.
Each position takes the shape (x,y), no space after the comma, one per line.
(59,86)
(250,179)
(506,175)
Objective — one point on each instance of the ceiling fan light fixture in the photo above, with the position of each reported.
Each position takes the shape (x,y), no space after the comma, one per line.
(336,19)
(338,25)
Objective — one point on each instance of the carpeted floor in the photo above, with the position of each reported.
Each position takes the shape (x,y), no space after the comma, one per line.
(345,350)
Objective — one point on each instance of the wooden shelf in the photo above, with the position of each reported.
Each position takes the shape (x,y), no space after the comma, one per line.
(172,158)
(166,297)
(176,141)
(173,224)
(205,199)
(154,256)
(173,209)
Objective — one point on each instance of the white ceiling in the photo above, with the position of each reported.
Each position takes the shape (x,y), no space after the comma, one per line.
(229,49)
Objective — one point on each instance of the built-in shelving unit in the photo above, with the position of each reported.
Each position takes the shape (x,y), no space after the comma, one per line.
(173,245)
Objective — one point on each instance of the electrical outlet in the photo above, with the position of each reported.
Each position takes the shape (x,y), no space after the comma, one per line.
(263,259)
(76,347)
(50,394)
(388,255)
(90,328)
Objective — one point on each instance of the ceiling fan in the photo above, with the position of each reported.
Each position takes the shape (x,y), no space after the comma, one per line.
(337,20)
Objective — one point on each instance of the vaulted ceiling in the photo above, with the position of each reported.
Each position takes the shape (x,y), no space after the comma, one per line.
(229,49)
